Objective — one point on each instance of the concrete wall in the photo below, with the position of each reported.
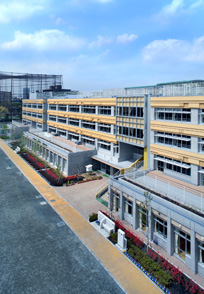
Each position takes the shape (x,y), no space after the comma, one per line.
(176,216)
(77,161)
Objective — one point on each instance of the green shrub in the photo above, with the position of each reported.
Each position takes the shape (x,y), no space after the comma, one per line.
(93,217)
(150,265)
(114,237)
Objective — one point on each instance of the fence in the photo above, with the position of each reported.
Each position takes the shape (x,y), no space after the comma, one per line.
(172,190)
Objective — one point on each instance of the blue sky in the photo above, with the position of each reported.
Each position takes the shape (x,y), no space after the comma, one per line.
(100,44)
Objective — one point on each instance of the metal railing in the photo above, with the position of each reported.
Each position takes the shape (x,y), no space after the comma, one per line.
(182,194)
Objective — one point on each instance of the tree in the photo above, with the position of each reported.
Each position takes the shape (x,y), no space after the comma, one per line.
(3,112)
(4,129)
(147,205)
(59,173)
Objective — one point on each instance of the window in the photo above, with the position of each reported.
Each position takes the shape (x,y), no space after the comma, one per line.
(201,252)
(87,140)
(104,128)
(128,205)
(133,111)
(88,125)
(116,201)
(201,145)
(139,134)
(130,132)
(201,116)
(104,145)
(73,122)
(160,226)
(143,218)
(88,109)
(173,165)
(52,118)
(140,112)
(62,107)
(64,164)
(182,243)
(62,120)
(175,114)
(73,108)
(104,110)
(52,107)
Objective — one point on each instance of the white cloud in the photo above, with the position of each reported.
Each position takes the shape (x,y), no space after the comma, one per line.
(125,38)
(79,2)
(173,7)
(197,4)
(59,21)
(101,41)
(174,51)
(103,1)
(179,6)
(43,40)
(17,10)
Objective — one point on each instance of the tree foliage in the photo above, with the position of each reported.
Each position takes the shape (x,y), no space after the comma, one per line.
(3,112)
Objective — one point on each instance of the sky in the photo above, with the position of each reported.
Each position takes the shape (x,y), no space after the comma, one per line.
(103,44)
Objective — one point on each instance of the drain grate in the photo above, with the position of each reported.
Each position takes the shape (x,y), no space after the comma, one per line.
(60,224)
(38,196)
(53,200)
(43,203)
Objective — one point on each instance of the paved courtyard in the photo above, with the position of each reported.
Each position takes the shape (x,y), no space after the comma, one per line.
(83,196)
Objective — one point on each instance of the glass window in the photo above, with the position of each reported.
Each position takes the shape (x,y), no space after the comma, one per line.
(116,201)
(175,114)
(62,107)
(128,206)
(201,252)
(160,226)
(182,243)
(143,218)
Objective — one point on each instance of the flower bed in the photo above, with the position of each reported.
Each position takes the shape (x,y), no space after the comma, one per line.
(51,177)
(129,235)
(183,283)
(151,266)
(157,266)
(49,174)
(33,161)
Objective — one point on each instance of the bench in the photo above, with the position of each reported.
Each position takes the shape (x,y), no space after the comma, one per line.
(105,223)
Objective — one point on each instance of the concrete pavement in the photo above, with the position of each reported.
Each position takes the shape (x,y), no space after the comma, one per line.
(124,272)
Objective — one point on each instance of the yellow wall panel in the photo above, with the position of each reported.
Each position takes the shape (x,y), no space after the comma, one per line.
(88,117)
(34,101)
(34,119)
(178,102)
(178,128)
(181,155)
(90,133)
(33,110)
(85,101)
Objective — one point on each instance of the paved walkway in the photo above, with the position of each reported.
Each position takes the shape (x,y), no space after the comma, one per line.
(127,275)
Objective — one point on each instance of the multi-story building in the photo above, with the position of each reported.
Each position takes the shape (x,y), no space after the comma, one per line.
(34,113)
(154,136)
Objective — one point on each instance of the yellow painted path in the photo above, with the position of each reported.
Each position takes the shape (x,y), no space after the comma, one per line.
(124,272)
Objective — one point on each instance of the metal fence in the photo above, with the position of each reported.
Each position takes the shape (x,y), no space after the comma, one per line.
(172,190)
